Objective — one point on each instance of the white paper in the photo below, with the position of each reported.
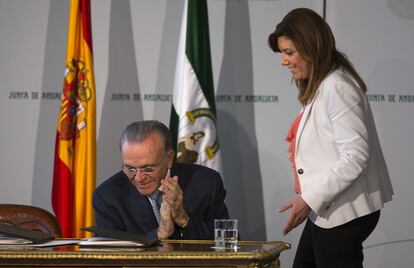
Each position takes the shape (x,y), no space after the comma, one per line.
(12,242)
(9,240)
(108,242)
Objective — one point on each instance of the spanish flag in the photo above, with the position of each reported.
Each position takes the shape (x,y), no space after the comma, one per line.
(75,148)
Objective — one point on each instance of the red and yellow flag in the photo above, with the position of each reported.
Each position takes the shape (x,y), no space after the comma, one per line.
(75,149)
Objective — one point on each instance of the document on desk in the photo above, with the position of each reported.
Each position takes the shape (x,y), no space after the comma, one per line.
(116,238)
(12,236)
(13,242)
(56,243)
(22,236)
(101,241)
(9,240)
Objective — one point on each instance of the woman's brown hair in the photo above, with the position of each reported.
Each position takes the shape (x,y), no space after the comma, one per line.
(315,42)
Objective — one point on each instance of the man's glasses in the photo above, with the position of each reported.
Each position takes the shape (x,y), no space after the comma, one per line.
(131,172)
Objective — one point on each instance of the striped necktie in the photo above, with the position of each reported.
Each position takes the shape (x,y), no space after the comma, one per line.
(155,200)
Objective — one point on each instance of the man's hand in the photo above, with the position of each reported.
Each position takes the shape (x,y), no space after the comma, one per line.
(300,211)
(166,227)
(173,195)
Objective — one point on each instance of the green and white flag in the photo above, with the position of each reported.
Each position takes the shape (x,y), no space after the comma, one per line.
(193,113)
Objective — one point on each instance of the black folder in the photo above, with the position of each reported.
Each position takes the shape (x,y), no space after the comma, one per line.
(146,241)
(34,236)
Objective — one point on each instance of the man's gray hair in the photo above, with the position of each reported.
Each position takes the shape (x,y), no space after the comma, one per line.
(139,131)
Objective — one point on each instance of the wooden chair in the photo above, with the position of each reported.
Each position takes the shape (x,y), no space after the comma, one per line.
(30,218)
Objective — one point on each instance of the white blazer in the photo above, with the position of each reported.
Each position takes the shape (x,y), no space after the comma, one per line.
(339,160)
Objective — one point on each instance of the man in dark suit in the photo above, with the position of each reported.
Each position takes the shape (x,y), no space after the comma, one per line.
(152,196)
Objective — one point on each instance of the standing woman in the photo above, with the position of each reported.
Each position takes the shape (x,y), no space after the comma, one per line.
(341,179)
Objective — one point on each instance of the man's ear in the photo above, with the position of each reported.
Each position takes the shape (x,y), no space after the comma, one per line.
(170,157)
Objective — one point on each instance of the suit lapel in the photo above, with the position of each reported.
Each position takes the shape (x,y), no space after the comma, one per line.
(187,192)
(305,117)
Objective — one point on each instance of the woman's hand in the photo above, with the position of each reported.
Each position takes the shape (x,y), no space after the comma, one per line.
(300,211)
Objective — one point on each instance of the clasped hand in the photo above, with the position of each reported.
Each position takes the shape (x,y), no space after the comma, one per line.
(172,208)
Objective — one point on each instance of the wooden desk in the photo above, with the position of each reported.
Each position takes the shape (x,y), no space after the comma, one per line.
(172,253)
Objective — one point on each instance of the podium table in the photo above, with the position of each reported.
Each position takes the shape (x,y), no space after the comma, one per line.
(170,253)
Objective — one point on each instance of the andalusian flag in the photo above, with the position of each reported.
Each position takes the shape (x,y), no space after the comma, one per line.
(193,113)
(75,148)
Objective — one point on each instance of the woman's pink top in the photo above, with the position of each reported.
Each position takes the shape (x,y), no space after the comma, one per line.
(291,137)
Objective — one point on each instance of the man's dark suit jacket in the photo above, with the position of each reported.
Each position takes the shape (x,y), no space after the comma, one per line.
(119,205)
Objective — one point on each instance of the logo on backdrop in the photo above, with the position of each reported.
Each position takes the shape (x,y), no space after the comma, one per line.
(199,140)
(403,9)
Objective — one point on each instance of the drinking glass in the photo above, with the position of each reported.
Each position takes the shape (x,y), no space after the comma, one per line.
(225,233)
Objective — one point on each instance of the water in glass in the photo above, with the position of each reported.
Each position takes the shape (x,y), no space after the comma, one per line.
(225,238)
